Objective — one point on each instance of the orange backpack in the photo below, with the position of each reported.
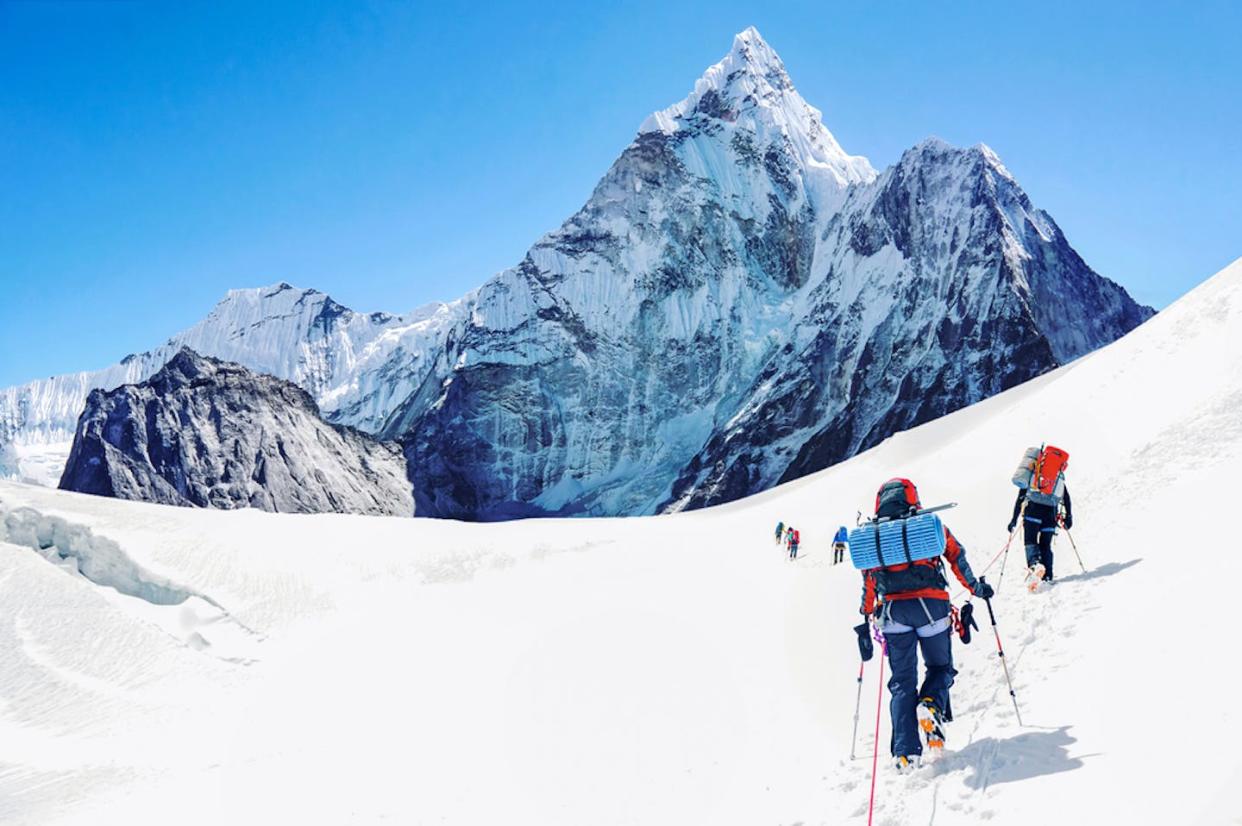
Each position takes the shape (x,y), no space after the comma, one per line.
(1047,484)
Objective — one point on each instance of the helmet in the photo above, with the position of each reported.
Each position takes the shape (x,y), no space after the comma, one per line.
(896,498)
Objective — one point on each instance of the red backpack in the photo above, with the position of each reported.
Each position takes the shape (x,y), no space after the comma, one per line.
(1047,484)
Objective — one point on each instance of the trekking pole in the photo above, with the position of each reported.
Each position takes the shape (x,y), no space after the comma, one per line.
(1001,651)
(1074,545)
(857,706)
(879,699)
(1018,525)
(1005,558)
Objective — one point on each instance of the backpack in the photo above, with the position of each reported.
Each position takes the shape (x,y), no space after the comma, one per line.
(1044,480)
(896,498)
(797,537)
(897,542)
(898,535)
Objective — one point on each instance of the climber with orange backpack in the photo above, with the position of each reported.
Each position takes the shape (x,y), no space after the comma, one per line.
(1042,492)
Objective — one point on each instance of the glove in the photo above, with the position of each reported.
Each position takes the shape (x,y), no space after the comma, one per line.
(1069,522)
(983,590)
(967,619)
(1012,525)
(865,648)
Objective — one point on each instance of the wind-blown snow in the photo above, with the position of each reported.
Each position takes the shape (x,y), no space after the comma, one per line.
(660,670)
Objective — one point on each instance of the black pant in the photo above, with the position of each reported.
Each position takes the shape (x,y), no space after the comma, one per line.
(838,553)
(1039,526)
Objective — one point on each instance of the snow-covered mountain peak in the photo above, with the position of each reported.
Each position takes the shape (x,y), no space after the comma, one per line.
(752,55)
(276,300)
(965,175)
(749,89)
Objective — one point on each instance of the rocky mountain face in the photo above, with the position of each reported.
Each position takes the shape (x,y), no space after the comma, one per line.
(206,433)
(942,285)
(358,366)
(739,302)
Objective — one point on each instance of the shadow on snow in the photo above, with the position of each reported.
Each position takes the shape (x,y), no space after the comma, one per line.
(1105,570)
(1031,754)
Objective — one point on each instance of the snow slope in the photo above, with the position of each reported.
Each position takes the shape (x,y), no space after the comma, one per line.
(655,670)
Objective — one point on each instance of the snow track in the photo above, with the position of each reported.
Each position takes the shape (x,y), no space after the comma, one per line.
(987,748)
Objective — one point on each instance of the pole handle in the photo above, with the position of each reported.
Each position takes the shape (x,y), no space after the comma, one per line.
(988,603)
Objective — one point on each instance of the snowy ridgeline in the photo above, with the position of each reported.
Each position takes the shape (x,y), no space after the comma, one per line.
(739,302)
(236,667)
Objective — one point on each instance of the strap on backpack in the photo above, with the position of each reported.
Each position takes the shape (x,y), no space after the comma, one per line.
(905,543)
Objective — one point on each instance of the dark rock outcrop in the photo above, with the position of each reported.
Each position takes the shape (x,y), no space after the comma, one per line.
(207,433)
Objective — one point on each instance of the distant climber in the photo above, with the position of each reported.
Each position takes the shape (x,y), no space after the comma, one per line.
(780,531)
(794,540)
(838,545)
(910,604)
(1041,494)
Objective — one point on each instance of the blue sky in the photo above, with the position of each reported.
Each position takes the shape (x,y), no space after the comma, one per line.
(153,155)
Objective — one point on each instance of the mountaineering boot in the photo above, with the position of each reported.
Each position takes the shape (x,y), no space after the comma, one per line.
(905,764)
(1034,577)
(931,722)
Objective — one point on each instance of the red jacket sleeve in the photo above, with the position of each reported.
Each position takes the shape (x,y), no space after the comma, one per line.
(956,554)
(868,594)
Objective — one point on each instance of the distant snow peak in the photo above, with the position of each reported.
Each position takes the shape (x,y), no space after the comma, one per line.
(749,89)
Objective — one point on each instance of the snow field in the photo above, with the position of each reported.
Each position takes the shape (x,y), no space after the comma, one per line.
(667,669)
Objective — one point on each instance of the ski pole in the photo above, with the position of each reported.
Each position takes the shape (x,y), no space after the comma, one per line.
(1001,651)
(879,699)
(1005,559)
(857,706)
(1074,545)
(1005,551)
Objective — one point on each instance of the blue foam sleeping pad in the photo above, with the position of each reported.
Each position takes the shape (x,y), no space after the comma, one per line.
(924,536)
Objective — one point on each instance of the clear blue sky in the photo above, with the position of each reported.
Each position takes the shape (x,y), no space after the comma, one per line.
(153,155)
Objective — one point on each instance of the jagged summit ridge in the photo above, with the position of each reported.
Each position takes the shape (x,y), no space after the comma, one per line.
(358,366)
(749,88)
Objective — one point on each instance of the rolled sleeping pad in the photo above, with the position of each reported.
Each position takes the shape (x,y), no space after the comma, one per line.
(877,544)
(1023,476)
